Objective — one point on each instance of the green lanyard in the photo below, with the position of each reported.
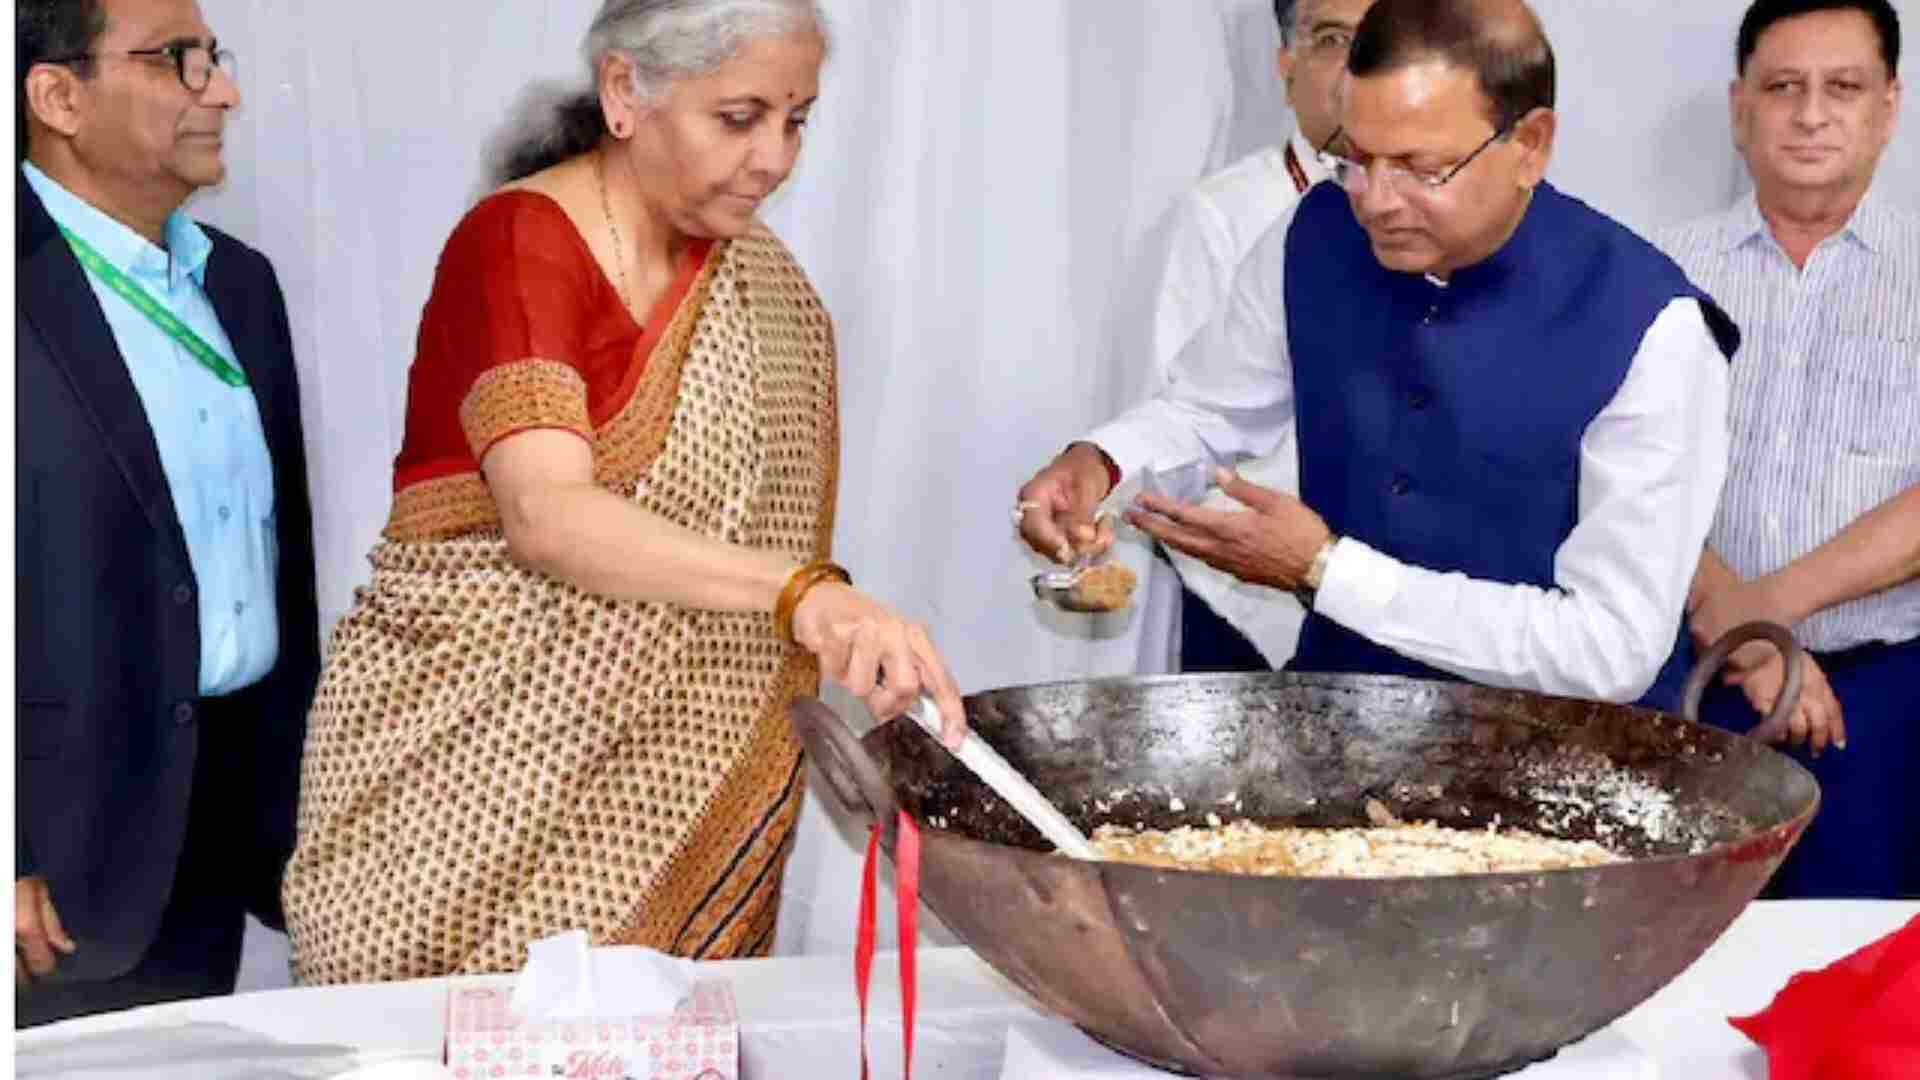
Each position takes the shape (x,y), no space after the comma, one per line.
(130,291)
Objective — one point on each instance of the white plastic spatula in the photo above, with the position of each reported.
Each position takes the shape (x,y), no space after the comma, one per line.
(993,770)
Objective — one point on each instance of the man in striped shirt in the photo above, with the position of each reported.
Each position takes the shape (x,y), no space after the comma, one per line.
(1819,527)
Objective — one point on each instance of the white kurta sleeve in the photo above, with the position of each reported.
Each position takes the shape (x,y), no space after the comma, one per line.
(1229,391)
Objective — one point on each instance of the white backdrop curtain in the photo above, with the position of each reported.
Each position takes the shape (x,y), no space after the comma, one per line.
(978,203)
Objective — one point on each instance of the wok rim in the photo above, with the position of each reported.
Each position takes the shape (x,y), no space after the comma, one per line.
(1787,830)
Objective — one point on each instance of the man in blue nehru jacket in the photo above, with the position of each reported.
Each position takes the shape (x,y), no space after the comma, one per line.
(1511,412)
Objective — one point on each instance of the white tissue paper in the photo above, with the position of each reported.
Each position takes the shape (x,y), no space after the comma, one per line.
(566,978)
(611,1013)
(1183,483)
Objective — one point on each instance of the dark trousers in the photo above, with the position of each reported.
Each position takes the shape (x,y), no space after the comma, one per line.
(1209,643)
(1865,839)
(196,952)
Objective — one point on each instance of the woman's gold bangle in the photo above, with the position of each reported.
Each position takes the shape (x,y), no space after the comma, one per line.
(799,583)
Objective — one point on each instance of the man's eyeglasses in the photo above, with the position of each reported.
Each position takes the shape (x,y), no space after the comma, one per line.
(1328,43)
(1357,178)
(192,61)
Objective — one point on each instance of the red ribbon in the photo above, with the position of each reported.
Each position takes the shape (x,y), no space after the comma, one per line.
(863,945)
(906,864)
(1299,175)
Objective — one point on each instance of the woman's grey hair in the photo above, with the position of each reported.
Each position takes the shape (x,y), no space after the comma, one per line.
(666,40)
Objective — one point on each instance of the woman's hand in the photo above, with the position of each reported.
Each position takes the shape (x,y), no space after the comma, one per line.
(881,658)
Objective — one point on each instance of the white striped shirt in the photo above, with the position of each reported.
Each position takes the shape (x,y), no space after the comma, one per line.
(1826,394)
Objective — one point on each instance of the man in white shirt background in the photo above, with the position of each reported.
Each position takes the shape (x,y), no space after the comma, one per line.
(1227,624)
(1819,527)
(1511,412)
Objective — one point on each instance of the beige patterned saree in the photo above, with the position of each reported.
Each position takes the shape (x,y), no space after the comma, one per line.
(495,756)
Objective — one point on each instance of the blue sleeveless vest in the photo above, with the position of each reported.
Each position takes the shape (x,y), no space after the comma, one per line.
(1442,425)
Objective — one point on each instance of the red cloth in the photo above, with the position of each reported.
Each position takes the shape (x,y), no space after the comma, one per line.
(1855,1019)
(517,282)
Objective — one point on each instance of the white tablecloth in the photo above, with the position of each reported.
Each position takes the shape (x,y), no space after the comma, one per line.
(1057,1051)
(798,1017)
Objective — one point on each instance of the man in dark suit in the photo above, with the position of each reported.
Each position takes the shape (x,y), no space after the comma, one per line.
(167,633)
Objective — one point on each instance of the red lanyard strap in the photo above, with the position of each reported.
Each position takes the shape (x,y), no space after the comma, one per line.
(906,864)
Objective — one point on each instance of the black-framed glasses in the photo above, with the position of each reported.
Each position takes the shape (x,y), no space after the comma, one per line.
(1356,177)
(1328,43)
(193,61)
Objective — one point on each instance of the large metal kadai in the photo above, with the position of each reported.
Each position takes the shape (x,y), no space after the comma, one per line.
(1241,976)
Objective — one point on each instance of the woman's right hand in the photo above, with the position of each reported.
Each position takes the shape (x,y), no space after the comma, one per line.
(881,658)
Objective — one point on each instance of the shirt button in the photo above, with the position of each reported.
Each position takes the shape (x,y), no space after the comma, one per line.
(1420,399)
(240,608)
(1402,484)
(182,595)
(225,513)
(183,714)
(203,416)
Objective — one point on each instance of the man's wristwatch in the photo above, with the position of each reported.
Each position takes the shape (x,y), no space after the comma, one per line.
(1316,573)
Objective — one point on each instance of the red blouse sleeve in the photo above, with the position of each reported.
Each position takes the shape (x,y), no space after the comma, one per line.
(503,338)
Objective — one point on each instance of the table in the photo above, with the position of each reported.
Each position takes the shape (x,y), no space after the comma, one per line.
(798,1017)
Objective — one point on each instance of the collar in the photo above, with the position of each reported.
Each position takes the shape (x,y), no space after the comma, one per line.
(186,254)
(1872,222)
(1307,156)
(1742,223)
(1513,256)
(1870,225)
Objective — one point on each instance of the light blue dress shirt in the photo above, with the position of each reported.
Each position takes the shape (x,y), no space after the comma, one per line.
(211,443)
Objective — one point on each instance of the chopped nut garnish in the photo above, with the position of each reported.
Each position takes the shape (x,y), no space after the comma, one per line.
(1106,587)
(1378,813)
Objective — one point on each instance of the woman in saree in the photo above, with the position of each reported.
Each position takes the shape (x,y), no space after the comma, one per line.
(562,700)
